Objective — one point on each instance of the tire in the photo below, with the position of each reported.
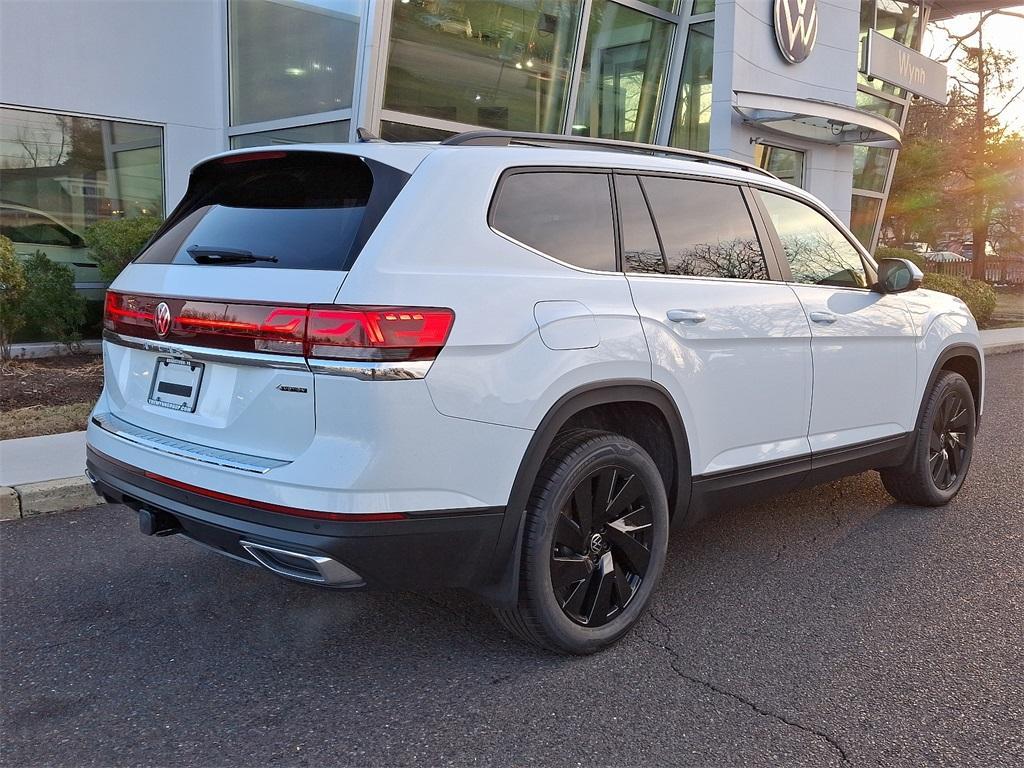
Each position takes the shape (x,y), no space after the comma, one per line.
(615,547)
(938,463)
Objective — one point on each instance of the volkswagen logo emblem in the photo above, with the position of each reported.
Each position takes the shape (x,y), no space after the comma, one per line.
(162,319)
(796,28)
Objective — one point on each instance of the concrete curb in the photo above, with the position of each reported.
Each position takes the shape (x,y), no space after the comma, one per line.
(39,349)
(1002,349)
(47,497)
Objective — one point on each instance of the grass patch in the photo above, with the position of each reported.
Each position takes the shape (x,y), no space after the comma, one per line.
(44,420)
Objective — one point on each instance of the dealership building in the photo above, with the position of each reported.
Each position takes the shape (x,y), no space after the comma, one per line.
(105,105)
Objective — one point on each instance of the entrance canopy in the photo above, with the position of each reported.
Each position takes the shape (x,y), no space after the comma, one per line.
(816,120)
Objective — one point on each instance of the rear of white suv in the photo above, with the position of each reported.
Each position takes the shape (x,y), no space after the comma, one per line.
(505,368)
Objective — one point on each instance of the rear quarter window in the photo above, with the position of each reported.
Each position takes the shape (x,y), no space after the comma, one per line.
(291,210)
(563,214)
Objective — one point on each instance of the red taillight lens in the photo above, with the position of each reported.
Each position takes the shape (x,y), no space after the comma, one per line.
(334,332)
(377,333)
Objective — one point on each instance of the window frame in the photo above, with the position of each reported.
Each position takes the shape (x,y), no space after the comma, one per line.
(870,268)
(775,272)
(616,235)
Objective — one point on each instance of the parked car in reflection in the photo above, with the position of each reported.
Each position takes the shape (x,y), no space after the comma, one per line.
(33,230)
(448,24)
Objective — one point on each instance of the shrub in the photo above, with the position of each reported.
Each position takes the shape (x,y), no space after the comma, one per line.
(50,302)
(885,252)
(12,292)
(115,242)
(976,294)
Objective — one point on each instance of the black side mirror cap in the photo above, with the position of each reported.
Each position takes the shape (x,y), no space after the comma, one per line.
(898,276)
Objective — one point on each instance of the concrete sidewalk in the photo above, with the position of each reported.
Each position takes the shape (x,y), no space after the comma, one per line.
(45,474)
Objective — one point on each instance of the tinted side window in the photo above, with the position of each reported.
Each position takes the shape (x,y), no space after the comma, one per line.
(564,215)
(705,229)
(641,251)
(817,252)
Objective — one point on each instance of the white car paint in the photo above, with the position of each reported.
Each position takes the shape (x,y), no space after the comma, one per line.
(756,381)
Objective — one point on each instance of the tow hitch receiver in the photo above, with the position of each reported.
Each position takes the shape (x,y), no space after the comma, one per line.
(155,523)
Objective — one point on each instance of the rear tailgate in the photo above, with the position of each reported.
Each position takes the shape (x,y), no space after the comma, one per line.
(204,331)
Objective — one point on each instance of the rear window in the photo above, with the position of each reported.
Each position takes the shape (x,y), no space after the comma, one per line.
(275,209)
(567,215)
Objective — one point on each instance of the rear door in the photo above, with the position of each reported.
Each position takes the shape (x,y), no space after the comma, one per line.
(203,333)
(863,342)
(727,339)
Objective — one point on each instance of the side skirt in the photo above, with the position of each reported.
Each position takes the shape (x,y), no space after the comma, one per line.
(735,487)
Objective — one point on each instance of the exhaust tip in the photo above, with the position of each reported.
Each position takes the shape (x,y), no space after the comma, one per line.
(313,569)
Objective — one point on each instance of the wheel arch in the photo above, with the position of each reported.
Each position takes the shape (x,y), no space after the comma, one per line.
(567,411)
(964,359)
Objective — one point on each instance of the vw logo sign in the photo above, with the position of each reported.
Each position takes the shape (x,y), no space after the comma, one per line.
(796,28)
(162,319)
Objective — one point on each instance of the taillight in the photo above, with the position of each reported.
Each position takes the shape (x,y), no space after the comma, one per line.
(377,333)
(328,332)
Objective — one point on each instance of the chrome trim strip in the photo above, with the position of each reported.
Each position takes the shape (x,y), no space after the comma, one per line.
(184,449)
(372,371)
(207,355)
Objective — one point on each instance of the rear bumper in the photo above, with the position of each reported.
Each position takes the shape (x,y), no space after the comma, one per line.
(439,548)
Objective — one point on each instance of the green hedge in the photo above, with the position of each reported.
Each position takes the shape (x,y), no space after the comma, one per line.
(977,295)
(115,242)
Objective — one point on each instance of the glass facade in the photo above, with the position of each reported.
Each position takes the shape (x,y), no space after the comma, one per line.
(62,173)
(495,63)
(691,127)
(871,167)
(291,58)
(624,65)
(864,217)
(787,164)
(336,132)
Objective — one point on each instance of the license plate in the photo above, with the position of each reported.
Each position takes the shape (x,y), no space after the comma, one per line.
(176,384)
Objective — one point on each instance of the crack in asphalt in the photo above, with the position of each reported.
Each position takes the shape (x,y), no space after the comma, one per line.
(759,709)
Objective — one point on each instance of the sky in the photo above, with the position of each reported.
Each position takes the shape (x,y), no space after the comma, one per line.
(1005,33)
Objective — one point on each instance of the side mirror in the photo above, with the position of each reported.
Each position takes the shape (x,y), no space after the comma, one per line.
(898,275)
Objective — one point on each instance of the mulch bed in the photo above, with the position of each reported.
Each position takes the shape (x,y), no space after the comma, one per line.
(50,381)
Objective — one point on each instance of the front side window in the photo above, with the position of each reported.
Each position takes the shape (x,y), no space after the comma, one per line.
(562,214)
(817,252)
(705,229)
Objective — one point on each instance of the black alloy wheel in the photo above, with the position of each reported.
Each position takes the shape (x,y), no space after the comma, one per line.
(595,538)
(947,448)
(601,546)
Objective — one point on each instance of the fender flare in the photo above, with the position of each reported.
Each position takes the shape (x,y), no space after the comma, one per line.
(503,589)
(955,350)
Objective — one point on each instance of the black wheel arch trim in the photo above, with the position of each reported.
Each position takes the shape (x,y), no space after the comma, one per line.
(955,350)
(503,590)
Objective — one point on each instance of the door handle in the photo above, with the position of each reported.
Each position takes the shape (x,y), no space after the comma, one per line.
(686,316)
(825,318)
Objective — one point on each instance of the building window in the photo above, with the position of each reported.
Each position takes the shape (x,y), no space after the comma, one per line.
(870,167)
(392,131)
(864,216)
(291,58)
(787,164)
(69,172)
(900,20)
(880,106)
(624,66)
(502,64)
(703,6)
(336,132)
(691,128)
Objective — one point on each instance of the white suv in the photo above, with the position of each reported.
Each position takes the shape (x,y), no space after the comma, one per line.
(508,362)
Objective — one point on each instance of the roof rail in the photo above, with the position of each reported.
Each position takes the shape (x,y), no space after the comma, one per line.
(508,138)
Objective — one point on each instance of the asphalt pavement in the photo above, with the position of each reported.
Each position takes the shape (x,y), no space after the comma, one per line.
(826,627)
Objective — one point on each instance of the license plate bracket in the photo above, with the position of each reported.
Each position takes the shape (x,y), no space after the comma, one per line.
(176,384)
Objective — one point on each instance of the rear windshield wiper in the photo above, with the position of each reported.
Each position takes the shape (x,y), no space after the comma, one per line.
(203,254)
